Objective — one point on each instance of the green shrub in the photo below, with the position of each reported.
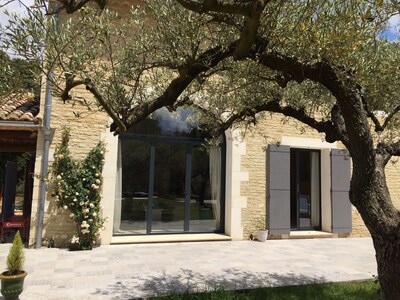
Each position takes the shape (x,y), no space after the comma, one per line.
(77,188)
(15,258)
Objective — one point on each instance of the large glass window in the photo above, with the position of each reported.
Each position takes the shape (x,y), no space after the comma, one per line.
(169,180)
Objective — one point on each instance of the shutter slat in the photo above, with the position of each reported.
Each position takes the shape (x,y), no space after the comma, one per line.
(340,181)
(278,158)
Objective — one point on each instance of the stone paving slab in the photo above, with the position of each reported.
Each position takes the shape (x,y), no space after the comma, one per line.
(141,270)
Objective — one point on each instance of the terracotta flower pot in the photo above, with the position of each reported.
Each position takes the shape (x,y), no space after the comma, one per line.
(12,285)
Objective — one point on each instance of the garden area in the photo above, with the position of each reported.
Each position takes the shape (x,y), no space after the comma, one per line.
(358,290)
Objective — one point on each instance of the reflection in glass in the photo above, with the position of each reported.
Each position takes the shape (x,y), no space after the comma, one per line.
(202,203)
(168,181)
(132,187)
(168,211)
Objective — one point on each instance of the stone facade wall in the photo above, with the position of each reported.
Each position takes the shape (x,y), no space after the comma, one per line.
(393,180)
(268,131)
(86,132)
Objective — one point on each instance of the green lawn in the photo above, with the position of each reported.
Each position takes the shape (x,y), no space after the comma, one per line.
(363,290)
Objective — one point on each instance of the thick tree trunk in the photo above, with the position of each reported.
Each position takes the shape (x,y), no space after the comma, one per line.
(370,195)
(388,260)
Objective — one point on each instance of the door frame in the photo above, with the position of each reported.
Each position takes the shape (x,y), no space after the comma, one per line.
(297,152)
(189,142)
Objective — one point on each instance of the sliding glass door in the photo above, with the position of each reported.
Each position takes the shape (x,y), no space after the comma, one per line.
(167,187)
(167,183)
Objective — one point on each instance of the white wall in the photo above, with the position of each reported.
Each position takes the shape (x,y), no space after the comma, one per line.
(234,202)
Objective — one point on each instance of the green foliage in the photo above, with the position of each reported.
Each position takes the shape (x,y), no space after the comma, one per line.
(77,189)
(18,75)
(327,291)
(15,258)
(135,61)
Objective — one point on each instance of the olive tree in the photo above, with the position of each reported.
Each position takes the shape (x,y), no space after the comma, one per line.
(324,63)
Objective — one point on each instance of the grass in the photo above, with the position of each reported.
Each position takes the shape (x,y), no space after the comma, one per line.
(359,290)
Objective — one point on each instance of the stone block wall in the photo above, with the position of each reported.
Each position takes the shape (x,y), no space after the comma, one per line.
(393,181)
(270,130)
(86,132)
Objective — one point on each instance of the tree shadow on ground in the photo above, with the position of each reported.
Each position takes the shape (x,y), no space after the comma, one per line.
(188,281)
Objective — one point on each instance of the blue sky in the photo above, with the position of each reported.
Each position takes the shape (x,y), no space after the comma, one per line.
(393,33)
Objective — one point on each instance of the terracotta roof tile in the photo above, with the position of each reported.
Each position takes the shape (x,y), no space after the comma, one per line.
(19,107)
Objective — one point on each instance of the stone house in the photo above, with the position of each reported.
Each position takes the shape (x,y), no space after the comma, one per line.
(160,183)
(298,188)
(276,174)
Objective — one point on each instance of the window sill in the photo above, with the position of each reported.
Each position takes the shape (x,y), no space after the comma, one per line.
(169,238)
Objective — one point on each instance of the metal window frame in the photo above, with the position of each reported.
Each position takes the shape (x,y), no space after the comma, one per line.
(189,142)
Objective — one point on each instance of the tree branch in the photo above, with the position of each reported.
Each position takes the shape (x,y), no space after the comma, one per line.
(96,93)
(250,9)
(343,87)
(326,127)
(6,3)
(387,150)
(203,63)
(390,117)
(241,8)
(71,82)
(371,115)
(339,124)
(393,148)
(224,19)
(72,6)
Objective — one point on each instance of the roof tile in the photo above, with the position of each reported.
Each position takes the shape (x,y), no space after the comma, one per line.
(19,107)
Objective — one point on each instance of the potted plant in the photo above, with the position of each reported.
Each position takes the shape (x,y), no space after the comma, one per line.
(262,232)
(12,280)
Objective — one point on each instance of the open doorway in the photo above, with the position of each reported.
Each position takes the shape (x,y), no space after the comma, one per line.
(16,186)
(305,187)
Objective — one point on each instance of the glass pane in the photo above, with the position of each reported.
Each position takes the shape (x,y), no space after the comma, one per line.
(315,189)
(22,188)
(168,212)
(304,189)
(167,124)
(135,185)
(203,206)
(293,189)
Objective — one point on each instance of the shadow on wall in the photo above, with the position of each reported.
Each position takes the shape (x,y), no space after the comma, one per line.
(134,287)
(57,224)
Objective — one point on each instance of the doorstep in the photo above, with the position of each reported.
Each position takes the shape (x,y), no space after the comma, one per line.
(169,238)
(312,234)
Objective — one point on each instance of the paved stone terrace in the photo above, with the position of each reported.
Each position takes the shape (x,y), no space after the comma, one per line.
(137,271)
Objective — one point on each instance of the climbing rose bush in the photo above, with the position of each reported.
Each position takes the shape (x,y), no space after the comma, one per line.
(77,186)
